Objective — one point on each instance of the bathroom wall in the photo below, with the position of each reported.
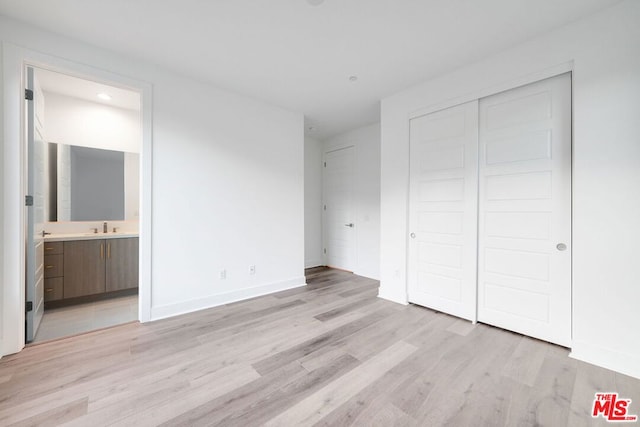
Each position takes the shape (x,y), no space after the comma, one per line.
(75,121)
(74,124)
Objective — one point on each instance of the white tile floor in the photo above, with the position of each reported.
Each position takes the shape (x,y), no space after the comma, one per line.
(76,319)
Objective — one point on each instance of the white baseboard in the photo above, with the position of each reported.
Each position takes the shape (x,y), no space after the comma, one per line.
(170,310)
(624,363)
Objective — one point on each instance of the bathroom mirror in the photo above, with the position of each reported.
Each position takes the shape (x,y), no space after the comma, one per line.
(91,184)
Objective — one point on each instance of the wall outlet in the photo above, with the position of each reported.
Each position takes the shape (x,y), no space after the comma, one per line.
(252,270)
(223,274)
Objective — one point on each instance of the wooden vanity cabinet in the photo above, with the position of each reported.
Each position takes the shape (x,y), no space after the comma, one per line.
(84,267)
(98,266)
(122,264)
(53,271)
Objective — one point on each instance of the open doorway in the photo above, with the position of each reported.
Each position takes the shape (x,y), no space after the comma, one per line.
(83,144)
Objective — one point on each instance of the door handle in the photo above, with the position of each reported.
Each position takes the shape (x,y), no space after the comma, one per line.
(101,250)
(561,247)
(108,250)
(349,225)
(413,235)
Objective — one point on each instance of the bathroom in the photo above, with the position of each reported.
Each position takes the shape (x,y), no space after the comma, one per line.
(84,139)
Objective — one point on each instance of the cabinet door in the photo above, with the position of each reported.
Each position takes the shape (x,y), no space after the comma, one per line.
(122,264)
(84,264)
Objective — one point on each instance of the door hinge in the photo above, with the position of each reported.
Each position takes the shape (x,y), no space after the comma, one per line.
(325,207)
(28,306)
(325,164)
(325,250)
(28,94)
(28,200)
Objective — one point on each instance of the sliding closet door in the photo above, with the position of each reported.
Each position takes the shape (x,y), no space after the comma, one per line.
(524,257)
(443,210)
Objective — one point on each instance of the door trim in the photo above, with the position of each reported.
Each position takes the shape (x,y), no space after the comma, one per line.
(15,61)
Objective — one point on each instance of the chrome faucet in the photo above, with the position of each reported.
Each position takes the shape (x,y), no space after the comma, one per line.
(105,229)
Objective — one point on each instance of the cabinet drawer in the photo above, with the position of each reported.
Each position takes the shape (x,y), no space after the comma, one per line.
(53,248)
(53,289)
(53,266)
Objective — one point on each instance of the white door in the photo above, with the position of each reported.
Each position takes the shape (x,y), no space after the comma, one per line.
(36,212)
(524,258)
(339,215)
(443,210)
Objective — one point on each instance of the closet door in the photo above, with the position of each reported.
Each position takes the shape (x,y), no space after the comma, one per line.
(524,257)
(443,210)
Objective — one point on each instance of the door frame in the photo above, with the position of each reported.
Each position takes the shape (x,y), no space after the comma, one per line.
(326,150)
(12,295)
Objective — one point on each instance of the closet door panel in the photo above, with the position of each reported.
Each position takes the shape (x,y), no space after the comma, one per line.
(524,258)
(443,210)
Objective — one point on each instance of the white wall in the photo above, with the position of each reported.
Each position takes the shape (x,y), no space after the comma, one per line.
(605,56)
(228,193)
(131,186)
(74,121)
(227,187)
(366,141)
(3,177)
(312,203)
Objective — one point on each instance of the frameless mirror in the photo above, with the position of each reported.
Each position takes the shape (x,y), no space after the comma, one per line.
(92,184)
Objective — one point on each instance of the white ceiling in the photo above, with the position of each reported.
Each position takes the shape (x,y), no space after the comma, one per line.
(299,56)
(88,90)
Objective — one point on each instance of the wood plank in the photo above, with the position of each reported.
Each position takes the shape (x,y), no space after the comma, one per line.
(367,361)
(321,403)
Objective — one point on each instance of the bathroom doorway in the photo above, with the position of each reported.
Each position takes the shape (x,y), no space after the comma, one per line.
(83,145)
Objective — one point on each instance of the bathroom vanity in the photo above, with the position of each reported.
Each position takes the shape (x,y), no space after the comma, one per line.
(89,266)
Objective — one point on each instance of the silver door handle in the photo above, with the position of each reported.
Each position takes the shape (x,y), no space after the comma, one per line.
(413,235)
(561,247)
(349,225)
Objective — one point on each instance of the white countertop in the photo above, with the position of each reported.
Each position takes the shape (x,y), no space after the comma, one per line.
(60,237)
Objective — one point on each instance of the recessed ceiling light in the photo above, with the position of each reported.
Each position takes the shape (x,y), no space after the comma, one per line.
(315,2)
(104,96)
(353,78)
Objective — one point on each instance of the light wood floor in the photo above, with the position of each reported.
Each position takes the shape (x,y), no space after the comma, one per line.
(329,354)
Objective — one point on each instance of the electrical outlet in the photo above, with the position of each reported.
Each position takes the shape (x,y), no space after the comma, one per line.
(252,269)
(223,274)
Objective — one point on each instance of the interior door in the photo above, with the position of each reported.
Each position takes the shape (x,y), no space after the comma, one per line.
(524,274)
(339,215)
(36,153)
(443,210)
